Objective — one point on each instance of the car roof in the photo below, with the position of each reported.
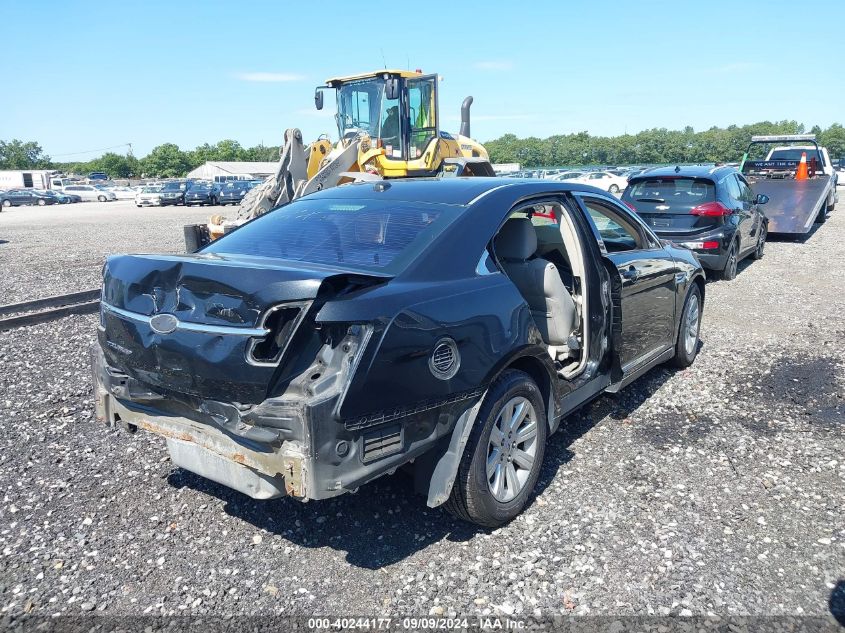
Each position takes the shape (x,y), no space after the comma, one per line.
(689,171)
(456,191)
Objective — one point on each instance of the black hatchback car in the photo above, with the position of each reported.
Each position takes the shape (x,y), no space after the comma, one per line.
(448,326)
(233,192)
(710,210)
(202,193)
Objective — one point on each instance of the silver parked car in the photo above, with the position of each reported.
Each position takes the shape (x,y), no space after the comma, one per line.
(90,192)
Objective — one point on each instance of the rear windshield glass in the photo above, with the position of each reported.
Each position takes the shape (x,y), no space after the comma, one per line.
(794,153)
(674,192)
(365,234)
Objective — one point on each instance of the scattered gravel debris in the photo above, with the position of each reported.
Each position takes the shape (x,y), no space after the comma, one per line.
(713,490)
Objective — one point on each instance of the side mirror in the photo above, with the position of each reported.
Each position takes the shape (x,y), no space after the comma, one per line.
(318,98)
(391,88)
(761,198)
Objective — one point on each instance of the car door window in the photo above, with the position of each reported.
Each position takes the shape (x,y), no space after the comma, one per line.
(745,193)
(617,232)
(733,187)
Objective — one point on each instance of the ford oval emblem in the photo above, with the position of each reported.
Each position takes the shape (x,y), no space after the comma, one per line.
(164,323)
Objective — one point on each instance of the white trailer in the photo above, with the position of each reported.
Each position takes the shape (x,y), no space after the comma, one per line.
(26,178)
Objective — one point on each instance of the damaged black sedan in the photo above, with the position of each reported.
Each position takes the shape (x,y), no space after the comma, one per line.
(445,326)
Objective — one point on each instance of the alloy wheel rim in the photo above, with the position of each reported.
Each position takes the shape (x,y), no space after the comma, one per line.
(691,326)
(732,262)
(512,449)
(762,243)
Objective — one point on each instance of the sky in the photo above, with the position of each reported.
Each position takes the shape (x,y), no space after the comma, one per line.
(90,76)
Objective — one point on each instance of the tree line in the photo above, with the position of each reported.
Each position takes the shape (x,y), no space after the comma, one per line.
(653,146)
(657,145)
(164,161)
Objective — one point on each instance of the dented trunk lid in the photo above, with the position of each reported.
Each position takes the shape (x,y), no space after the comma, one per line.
(186,323)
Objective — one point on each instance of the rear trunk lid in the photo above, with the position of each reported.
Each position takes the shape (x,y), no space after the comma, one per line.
(667,203)
(189,323)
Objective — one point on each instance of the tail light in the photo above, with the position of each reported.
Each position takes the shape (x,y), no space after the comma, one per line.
(701,246)
(281,322)
(710,209)
(630,206)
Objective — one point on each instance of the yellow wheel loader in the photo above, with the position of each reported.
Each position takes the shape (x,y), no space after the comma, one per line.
(388,124)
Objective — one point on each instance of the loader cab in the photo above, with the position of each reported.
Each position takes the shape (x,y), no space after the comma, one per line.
(397,109)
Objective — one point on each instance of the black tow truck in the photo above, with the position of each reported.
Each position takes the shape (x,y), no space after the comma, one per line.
(795,203)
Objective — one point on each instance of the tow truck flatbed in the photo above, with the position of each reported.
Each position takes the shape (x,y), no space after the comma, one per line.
(794,205)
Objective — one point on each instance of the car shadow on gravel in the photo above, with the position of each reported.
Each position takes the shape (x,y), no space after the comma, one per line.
(387,521)
(794,238)
(836,602)
(804,389)
(384,523)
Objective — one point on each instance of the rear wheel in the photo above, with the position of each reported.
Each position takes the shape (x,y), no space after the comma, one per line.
(686,347)
(761,242)
(41,202)
(7,203)
(729,271)
(101,198)
(503,455)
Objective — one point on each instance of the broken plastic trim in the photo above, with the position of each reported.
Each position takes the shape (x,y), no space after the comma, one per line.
(187,326)
(283,344)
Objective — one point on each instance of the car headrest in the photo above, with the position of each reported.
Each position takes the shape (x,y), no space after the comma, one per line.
(517,241)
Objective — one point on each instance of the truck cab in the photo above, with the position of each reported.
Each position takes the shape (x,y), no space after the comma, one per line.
(794,153)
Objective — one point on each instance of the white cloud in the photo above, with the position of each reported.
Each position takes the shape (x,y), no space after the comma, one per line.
(494,65)
(269,77)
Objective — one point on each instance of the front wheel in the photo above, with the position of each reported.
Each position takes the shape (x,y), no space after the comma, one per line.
(761,242)
(503,455)
(7,203)
(41,202)
(101,198)
(614,189)
(729,271)
(686,347)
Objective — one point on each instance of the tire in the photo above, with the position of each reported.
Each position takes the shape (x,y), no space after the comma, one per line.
(491,501)
(7,203)
(729,271)
(41,202)
(614,189)
(761,242)
(101,198)
(686,347)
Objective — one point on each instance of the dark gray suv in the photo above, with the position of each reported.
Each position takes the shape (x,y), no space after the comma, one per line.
(710,210)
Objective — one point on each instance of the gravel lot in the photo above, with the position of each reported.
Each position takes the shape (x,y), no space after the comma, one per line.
(56,249)
(718,489)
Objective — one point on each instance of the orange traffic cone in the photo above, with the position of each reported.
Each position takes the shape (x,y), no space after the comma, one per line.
(801,172)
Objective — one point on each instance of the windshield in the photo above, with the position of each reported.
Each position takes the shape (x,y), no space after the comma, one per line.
(366,234)
(669,193)
(794,153)
(229,186)
(174,186)
(362,106)
(150,190)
